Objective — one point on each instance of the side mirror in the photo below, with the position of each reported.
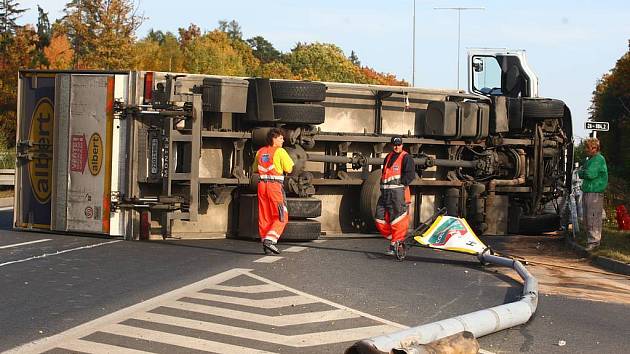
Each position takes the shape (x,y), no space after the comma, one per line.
(477,65)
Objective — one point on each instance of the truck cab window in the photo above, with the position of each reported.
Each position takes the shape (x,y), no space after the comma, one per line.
(486,75)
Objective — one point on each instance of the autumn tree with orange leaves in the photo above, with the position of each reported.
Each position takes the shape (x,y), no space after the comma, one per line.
(101,34)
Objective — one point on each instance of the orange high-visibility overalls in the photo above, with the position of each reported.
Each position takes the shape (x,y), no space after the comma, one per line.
(392,217)
(273,214)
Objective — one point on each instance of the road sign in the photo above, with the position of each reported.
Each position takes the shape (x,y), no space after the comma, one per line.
(599,126)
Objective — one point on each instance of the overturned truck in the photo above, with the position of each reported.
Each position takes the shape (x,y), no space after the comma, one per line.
(150,154)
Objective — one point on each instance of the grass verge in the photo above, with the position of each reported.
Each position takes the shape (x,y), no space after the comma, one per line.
(615,244)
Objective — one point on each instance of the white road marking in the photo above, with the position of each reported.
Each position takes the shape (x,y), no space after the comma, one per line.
(85,346)
(318,241)
(278,321)
(24,243)
(247,289)
(294,249)
(481,351)
(264,303)
(301,340)
(176,339)
(268,259)
(51,342)
(319,299)
(57,253)
(112,323)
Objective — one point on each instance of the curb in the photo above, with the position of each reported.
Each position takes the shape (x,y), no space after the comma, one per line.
(604,262)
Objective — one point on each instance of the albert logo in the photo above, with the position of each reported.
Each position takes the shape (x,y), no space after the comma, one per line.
(40,136)
(95,154)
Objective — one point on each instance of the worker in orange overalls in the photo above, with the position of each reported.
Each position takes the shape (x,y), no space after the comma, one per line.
(271,162)
(392,209)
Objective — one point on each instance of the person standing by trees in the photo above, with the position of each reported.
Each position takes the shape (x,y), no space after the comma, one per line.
(594,174)
(271,162)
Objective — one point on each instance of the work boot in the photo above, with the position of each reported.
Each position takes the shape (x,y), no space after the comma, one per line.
(270,248)
(592,246)
(391,251)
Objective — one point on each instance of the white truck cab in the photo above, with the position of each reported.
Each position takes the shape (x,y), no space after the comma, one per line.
(498,71)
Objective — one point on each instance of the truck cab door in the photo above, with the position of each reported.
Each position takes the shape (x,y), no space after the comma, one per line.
(501,72)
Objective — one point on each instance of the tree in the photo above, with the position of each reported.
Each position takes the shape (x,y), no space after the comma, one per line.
(264,50)
(102,32)
(43,40)
(9,13)
(321,61)
(156,36)
(354,58)
(186,35)
(232,28)
(59,53)
(17,54)
(212,53)
(275,70)
(159,53)
(611,103)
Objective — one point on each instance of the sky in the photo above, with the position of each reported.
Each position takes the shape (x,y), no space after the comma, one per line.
(569,44)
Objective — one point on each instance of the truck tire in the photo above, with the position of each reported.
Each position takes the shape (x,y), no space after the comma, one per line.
(301,230)
(297,91)
(299,113)
(303,208)
(370,192)
(543,108)
(535,225)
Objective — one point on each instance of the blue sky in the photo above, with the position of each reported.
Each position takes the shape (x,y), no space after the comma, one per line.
(570,44)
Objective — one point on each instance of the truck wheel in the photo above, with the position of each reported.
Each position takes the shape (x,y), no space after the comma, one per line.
(299,113)
(301,230)
(535,225)
(543,108)
(301,208)
(370,192)
(297,91)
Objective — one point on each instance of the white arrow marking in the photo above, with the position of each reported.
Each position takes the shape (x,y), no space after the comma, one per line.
(178,340)
(247,289)
(263,303)
(301,340)
(278,321)
(85,346)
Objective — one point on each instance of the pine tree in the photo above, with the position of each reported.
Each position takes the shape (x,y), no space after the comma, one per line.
(9,13)
(44,32)
(232,28)
(354,58)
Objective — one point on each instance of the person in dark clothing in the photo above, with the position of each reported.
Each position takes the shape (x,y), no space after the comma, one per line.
(392,209)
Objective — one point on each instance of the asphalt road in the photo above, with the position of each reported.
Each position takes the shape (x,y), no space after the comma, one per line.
(52,286)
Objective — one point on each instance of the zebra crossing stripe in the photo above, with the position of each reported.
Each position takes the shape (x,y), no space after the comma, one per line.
(84,346)
(277,321)
(178,340)
(301,340)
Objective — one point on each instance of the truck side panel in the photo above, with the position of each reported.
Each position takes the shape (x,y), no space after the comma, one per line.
(35,151)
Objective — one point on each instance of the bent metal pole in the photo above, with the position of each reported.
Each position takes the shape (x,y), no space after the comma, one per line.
(479,323)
